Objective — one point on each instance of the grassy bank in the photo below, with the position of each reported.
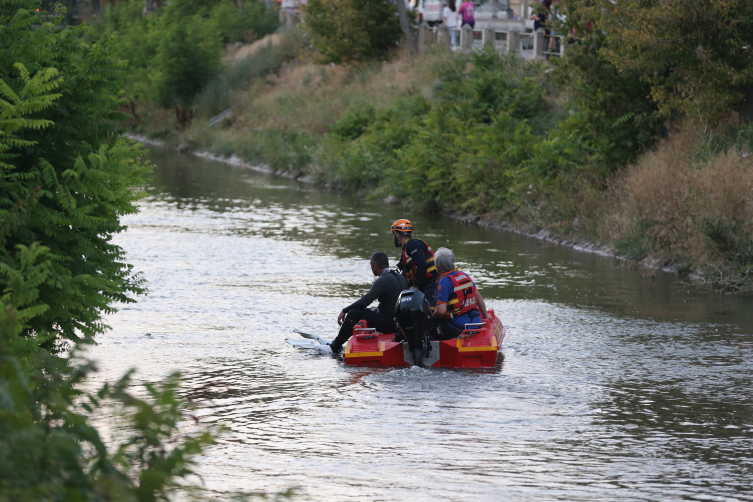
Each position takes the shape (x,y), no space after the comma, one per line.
(490,136)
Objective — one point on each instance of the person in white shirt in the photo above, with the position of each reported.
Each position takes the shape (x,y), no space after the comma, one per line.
(450,19)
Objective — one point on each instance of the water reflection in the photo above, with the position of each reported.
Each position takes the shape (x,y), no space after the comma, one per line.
(613,387)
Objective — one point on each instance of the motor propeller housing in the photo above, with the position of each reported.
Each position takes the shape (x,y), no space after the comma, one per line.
(413,316)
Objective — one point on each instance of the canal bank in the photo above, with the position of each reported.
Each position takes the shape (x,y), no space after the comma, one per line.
(579,244)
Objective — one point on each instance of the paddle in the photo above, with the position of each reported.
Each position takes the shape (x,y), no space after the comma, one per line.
(315,342)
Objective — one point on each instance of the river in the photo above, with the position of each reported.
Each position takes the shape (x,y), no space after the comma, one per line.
(612,386)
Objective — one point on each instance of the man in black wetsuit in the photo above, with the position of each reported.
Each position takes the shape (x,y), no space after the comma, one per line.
(386,289)
(417,261)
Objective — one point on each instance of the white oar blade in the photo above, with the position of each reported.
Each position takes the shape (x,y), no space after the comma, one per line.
(302,344)
(309,344)
(318,338)
(323,349)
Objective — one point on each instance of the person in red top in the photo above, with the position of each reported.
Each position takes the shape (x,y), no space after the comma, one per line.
(467,10)
(458,301)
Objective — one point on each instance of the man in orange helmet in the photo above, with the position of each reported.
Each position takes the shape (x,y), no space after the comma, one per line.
(417,261)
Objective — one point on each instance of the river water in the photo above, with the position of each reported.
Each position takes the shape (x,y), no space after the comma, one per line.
(611,386)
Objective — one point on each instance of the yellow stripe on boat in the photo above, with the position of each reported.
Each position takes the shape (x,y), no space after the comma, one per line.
(365,354)
(475,349)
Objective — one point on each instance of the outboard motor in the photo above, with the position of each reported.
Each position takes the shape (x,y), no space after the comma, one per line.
(413,315)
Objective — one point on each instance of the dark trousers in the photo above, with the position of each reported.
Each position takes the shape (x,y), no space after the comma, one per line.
(453,328)
(382,323)
(449,329)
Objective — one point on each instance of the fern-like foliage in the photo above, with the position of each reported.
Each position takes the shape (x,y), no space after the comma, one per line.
(66,175)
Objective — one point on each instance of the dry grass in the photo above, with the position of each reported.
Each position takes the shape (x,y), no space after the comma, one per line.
(306,98)
(696,212)
(237,53)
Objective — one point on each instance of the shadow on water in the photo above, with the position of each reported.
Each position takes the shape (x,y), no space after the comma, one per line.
(611,386)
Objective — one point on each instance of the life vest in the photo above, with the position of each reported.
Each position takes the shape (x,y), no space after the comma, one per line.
(408,267)
(462,298)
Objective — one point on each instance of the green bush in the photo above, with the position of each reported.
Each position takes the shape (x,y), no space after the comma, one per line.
(67,174)
(471,148)
(614,102)
(352,30)
(253,21)
(185,61)
(67,177)
(364,163)
(175,52)
(354,122)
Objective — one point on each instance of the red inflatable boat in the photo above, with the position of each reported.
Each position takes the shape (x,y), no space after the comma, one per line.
(477,347)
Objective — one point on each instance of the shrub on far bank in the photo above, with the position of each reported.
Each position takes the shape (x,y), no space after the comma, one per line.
(692,58)
(352,30)
(175,51)
(253,20)
(185,61)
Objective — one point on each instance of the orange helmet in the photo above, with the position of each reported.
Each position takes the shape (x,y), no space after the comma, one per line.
(402,226)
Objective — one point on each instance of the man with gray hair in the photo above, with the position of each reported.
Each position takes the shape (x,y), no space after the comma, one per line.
(458,301)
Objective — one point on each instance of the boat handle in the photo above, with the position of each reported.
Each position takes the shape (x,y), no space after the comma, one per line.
(471,325)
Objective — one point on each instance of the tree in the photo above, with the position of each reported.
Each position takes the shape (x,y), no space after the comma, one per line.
(696,55)
(66,174)
(66,177)
(614,104)
(352,30)
(402,14)
(187,58)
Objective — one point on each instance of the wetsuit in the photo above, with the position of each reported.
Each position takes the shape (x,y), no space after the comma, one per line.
(456,290)
(386,289)
(417,265)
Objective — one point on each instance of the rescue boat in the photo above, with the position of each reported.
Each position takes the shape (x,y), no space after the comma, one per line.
(477,347)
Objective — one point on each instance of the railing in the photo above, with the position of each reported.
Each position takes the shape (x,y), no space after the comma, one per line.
(526,45)
(527,41)
(501,43)
(559,47)
(478,40)
(455,34)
